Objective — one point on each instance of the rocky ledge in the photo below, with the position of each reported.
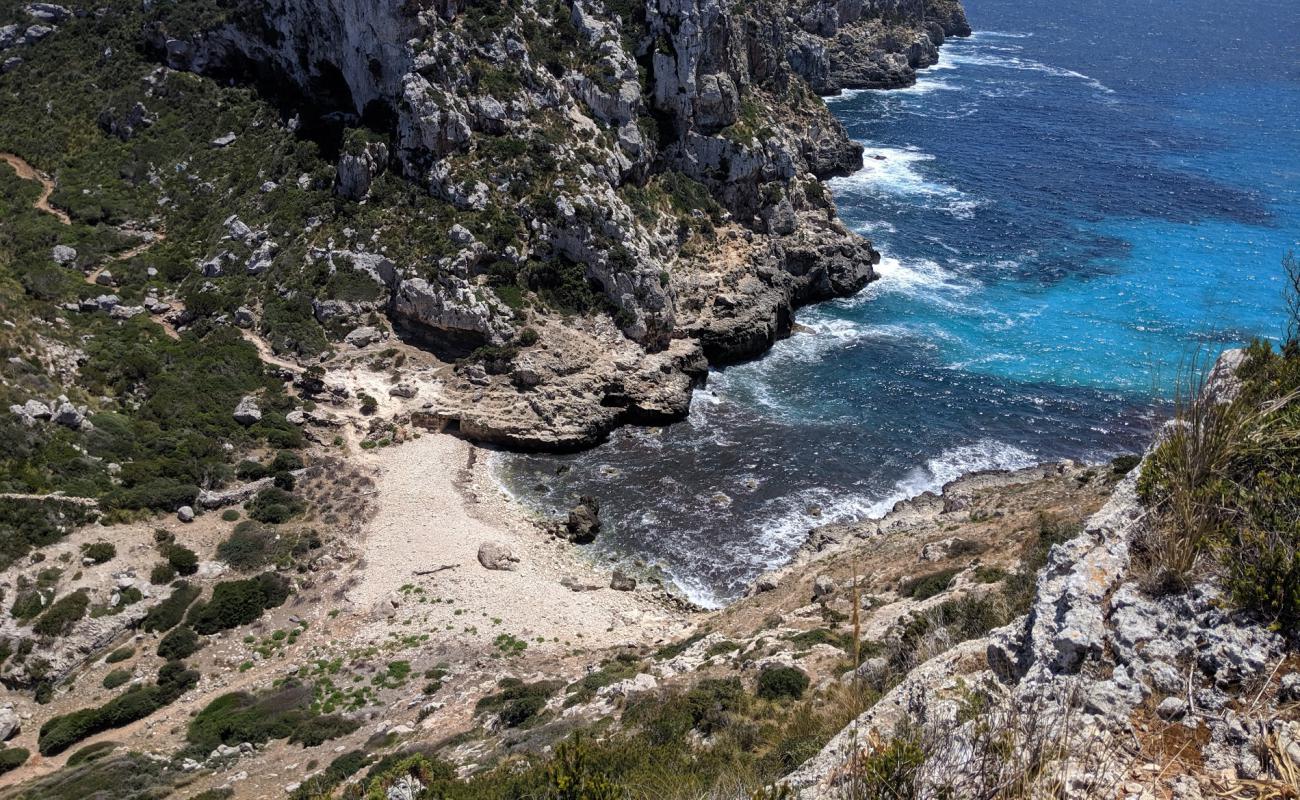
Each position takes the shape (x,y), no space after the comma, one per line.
(633,191)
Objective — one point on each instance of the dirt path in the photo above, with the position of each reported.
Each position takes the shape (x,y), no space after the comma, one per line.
(29,173)
(264,350)
(151,238)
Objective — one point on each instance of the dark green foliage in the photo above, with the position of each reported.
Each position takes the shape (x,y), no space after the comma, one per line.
(13,758)
(776,683)
(1123,465)
(182,559)
(116,678)
(60,733)
(339,770)
(274,505)
(236,603)
(517,703)
(120,654)
(129,776)
(29,602)
(27,524)
(162,572)
(59,618)
(279,714)
(923,587)
(99,552)
(167,614)
(180,642)
(249,546)
(229,515)
(91,752)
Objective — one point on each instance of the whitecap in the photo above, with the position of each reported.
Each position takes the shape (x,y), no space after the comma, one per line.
(892,170)
(1027,64)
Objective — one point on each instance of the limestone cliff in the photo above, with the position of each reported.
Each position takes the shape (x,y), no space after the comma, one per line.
(656,163)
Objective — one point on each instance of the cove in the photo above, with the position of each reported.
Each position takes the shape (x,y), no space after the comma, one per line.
(1073,204)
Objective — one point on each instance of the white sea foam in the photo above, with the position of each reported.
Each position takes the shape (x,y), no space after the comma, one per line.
(999,35)
(892,170)
(986,59)
(847,94)
(789,519)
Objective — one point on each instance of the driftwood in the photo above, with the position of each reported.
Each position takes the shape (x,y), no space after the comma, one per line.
(437,569)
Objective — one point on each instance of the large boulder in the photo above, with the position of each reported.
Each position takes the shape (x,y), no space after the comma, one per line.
(583,523)
(497,556)
(10,723)
(247,412)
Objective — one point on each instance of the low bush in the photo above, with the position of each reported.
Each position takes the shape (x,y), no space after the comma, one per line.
(59,618)
(236,603)
(61,732)
(248,546)
(168,614)
(283,713)
(12,758)
(180,642)
(99,552)
(120,654)
(517,703)
(182,559)
(116,678)
(162,572)
(778,683)
(29,602)
(274,505)
(923,587)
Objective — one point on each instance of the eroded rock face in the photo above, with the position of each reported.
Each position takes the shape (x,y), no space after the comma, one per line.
(669,162)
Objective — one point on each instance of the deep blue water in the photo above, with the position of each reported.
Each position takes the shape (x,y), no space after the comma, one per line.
(1074,204)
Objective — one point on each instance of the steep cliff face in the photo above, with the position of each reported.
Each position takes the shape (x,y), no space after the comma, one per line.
(658,162)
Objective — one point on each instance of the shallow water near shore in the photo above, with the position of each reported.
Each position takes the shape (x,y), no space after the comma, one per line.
(1071,205)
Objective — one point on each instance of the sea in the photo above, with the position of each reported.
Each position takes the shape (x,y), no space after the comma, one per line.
(1076,207)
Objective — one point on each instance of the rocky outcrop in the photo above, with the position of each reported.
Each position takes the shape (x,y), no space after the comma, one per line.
(657,166)
(1095,649)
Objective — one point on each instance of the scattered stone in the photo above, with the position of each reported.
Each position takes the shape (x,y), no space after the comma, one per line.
(823,586)
(185,514)
(622,582)
(1171,708)
(244,317)
(405,390)
(247,412)
(767,582)
(497,556)
(296,417)
(104,278)
(225,140)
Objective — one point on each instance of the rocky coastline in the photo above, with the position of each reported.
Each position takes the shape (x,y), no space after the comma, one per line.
(686,146)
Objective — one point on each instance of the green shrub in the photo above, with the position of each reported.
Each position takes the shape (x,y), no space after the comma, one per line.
(167,614)
(59,618)
(229,515)
(180,642)
(517,703)
(117,678)
(99,552)
(29,603)
(274,505)
(283,713)
(777,683)
(923,587)
(1123,465)
(12,758)
(162,572)
(247,547)
(184,560)
(236,603)
(120,654)
(60,733)
(91,752)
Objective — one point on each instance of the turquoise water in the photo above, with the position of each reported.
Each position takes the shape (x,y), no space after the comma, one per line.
(1072,205)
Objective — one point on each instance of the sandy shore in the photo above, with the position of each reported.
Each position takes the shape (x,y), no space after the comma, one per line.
(436,504)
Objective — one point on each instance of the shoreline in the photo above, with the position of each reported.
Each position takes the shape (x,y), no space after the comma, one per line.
(437,503)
